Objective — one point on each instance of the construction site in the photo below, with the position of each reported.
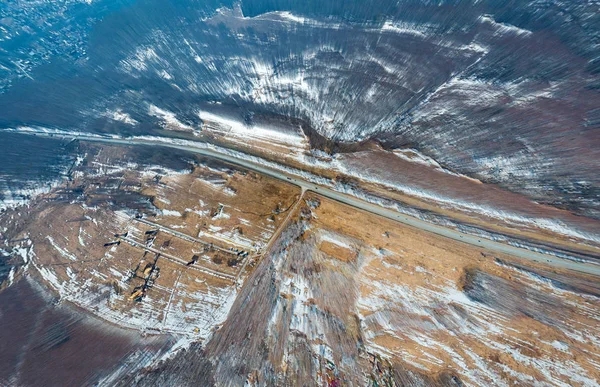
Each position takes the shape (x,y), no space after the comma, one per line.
(153,248)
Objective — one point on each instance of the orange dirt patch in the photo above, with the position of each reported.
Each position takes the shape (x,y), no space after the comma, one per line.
(336,251)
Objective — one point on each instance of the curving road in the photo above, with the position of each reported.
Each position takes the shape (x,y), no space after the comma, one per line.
(561,263)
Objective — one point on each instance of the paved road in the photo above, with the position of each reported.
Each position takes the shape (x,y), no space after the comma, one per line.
(486,244)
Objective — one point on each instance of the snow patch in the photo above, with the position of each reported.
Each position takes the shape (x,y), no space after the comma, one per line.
(170,213)
(119,115)
(170,120)
(239,129)
(502,28)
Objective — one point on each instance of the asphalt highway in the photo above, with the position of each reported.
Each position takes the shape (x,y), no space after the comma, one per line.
(486,244)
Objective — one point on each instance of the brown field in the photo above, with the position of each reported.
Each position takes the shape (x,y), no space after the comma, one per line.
(183,240)
(422,304)
(369,299)
(306,290)
(338,252)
